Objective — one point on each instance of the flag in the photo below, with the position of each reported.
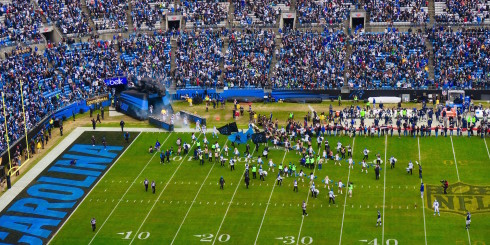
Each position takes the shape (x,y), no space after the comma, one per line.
(259,138)
(228,129)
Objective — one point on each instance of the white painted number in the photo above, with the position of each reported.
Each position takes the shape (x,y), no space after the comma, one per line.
(388,242)
(177,158)
(289,240)
(224,238)
(307,240)
(128,235)
(209,237)
(142,235)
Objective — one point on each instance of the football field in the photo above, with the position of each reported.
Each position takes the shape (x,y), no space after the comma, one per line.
(188,206)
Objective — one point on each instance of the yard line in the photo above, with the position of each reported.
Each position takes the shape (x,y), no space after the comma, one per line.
(266,207)
(192,203)
(127,190)
(93,188)
(423,202)
(307,197)
(384,193)
(163,190)
(345,201)
(231,201)
(486,146)
(454,154)
(461,193)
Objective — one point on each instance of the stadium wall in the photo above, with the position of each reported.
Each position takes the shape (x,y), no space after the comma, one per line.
(305,95)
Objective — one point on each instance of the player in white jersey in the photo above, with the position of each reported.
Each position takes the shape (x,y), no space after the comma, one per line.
(436,207)
(351,162)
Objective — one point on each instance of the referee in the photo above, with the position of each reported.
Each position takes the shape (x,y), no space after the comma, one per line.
(146,185)
(92,222)
(153,186)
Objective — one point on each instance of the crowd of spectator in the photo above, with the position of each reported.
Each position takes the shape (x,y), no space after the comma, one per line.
(19,22)
(67,15)
(388,60)
(198,58)
(464,11)
(310,60)
(146,55)
(328,12)
(204,13)
(108,14)
(145,15)
(392,11)
(248,58)
(26,66)
(246,11)
(461,57)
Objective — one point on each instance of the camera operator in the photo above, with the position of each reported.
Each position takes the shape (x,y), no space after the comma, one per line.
(445,185)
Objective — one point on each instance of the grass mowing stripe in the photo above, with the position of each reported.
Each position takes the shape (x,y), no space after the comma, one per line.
(193,201)
(129,146)
(345,201)
(460,191)
(486,146)
(231,201)
(303,218)
(423,202)
(165,187)
(268,202)
(384,193)
(127,190)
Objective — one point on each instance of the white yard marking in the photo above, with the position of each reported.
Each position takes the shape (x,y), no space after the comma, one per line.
(486,146)
(384,193)
(231,201)
(454,154)
(457,172)
(127,190)
(423,202)
(345,201)
(164,188)
(188,210)
(266,207)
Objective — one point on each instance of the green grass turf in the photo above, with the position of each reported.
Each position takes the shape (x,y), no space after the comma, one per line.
(189,207)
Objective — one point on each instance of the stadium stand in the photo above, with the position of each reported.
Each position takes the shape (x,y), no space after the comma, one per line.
(462,11)
(205,13)
(310,60)
(20,23)
(198,56)
(236,44)
(248,58)
(322,12)
(67,15)
(259,13)
(108,15)
(461,58)
(388,60)
(398,12)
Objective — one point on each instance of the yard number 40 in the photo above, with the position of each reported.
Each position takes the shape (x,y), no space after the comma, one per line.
(375,242)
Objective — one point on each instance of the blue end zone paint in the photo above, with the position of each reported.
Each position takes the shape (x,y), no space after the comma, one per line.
(38,212)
